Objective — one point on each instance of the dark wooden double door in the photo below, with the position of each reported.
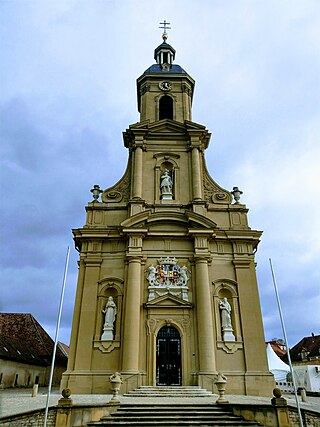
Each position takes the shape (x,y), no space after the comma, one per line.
(168,357)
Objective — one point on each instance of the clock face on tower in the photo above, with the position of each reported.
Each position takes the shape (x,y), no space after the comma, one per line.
(165,86)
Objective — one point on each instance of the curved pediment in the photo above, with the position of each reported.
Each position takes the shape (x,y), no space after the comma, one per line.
(187,220)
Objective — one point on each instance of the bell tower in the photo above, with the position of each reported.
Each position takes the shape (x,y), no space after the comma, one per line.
(165,90)
(167,291)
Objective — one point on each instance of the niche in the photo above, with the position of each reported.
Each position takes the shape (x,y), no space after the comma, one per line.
(226,291)
(111,287)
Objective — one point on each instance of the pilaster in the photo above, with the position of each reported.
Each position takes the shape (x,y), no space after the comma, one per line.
(88,307)
(196,172)
(207,363)
(76,315)
(253,337)
(131,331)
(137,169)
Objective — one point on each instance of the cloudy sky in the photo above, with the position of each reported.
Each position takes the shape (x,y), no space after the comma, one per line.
(67,84)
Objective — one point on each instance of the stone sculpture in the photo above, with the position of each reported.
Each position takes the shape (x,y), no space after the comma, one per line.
(152,271)
(110,312)
(167,278)
(183,275)
(226,324)
(166,186)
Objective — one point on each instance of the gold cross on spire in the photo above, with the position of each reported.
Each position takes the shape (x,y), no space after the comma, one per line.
(164,26)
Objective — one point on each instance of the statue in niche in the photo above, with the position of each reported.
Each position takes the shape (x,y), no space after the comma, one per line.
(110,312)
(166,186)
(226,324)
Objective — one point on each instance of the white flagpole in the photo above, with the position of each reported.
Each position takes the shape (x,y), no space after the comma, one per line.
(286,341)
(56,336)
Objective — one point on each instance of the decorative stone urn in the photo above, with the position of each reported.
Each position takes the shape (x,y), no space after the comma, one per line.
(115,381)
(221,382)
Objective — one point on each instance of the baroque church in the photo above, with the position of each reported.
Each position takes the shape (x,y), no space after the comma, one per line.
(167,292)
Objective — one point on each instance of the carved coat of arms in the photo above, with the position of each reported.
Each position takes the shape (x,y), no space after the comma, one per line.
(167,278)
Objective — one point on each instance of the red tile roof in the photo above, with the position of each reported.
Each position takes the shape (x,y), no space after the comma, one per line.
(310,346)
(26,340)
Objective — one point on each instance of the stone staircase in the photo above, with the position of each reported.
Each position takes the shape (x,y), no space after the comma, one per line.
(174,414)
(165,391)
(171,406)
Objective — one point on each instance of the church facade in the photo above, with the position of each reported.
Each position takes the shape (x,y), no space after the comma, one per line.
(167,291)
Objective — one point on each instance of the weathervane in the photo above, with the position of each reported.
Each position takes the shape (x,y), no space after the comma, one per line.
(164,26)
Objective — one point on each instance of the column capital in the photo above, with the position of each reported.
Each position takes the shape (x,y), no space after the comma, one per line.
(139,144)
(92,261)
(201,232)
(135,258)
(135,242)
(136,232)
(202,258)
(242,263)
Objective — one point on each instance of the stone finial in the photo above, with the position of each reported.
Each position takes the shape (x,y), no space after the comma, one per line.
(221,382)
(96,191)
(116,381)
(65,399)
(277,392)
(278,400)
(236,194)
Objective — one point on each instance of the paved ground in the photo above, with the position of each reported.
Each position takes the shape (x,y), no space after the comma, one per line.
(17,401)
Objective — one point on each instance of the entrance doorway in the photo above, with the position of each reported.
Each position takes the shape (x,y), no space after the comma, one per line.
(168,356)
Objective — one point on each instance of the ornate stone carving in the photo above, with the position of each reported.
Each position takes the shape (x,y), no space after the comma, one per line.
(185,322)
(144,88)
(213,193)
(230,347)
(106,346)
(151,325)
(167,278)
(187,89)
(165,67)
(120,192)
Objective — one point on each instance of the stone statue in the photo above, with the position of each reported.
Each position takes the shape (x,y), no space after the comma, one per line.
(226,324)
(166,183)
(110,312)
(152,271)
(183,275)
(225,308)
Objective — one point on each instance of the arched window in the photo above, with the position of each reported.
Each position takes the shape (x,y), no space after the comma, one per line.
(166,108)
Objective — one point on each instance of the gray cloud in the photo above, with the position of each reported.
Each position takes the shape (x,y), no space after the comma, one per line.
(69,91)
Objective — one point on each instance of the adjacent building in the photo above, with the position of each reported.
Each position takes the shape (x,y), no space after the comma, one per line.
(306,351)
(26,352)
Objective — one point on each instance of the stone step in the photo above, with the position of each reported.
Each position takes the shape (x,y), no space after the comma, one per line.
(169,423)
(175,414)
(176,408)
(170,417)
(180,422)
(169,392)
